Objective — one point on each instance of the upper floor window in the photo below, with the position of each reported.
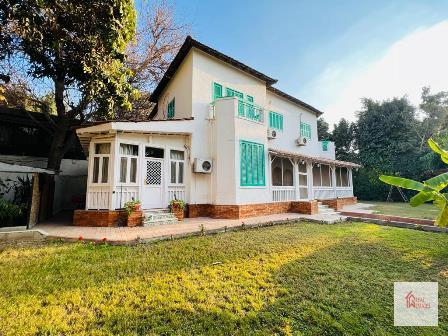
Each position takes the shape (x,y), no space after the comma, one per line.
(305,130)
(101,156)
(233,93)
(276,120)
(177,166)
(325,144)
(252,166)
(171,109)
(217,91)
(128,163)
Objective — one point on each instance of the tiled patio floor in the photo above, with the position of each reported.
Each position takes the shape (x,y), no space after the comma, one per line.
(186,227)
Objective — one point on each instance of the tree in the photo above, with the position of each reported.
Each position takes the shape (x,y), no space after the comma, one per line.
(385,134)
(158,39)
(79,48)
(435,112)
(323,132)
(428,191)
(344,137)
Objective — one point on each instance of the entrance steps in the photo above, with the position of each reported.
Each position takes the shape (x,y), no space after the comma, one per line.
(330,214)
(158,216)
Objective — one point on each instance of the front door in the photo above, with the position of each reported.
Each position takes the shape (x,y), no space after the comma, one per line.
(152,190)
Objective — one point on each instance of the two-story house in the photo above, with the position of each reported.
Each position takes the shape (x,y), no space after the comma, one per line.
(223,139)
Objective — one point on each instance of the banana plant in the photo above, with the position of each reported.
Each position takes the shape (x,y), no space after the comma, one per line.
(428,191)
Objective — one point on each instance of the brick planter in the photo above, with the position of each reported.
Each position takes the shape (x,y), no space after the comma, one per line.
(179,213)
(135,218)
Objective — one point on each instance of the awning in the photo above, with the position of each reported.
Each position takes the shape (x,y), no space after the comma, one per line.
(15,168)
(314,158)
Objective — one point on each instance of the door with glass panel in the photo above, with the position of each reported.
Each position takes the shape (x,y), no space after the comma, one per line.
(303,180)
(153,177)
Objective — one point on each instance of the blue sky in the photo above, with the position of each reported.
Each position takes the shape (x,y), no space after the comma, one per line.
(316,49)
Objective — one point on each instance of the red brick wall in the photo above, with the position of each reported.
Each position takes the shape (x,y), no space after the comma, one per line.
(250,210)
(339,203)
(106,218)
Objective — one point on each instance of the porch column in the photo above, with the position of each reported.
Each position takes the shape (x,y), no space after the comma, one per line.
(333,177)
(350,176)
(296,179)
(309,168)
(114,167)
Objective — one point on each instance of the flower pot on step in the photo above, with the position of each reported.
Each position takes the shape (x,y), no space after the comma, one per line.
(179,213)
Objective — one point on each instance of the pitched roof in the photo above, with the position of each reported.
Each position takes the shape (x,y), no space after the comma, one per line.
(192,43)
(294,100)
(183,52)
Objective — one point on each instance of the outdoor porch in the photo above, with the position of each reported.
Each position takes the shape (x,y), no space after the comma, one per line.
(302,177)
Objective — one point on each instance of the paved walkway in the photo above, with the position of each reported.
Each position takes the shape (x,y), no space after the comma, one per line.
(359,208)
(188,226)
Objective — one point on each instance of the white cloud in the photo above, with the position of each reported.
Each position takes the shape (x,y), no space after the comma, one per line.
(418,59)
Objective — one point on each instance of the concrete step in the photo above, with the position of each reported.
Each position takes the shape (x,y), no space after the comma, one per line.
(158,210)
(158,217)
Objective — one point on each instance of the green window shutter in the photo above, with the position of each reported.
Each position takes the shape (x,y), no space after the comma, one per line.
(252,162)
(275,120)
(217,91)
(250,99)
(325,145)
(230,92)
(305,130)
(171,109)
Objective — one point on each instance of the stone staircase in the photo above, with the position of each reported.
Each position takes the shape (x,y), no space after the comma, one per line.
(158,217)
(330,215)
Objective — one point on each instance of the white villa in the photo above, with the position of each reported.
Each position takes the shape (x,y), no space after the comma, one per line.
(222,139)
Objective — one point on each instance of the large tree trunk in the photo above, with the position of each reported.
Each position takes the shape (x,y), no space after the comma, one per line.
(57,151)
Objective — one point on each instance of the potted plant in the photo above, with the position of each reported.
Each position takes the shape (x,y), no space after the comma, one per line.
(134,212)
(177,207)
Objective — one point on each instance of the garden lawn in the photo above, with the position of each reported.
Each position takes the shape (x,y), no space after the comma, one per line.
(300,278)
(425,211)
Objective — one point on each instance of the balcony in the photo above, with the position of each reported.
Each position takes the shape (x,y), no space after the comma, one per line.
(250,111)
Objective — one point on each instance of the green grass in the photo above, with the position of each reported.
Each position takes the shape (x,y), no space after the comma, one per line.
(425,211)
(302,279)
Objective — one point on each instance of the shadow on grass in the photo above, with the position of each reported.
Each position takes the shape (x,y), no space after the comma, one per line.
(345,289)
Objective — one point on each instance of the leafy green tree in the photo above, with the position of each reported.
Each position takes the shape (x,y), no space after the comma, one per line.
(386,132)
(323,130)
(430,190)
(344,140)
(435,111)
(78,48)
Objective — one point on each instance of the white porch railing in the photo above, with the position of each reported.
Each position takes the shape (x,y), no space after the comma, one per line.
(344,192)
(177,192)
(323,192)
(125,194)
(98,198)
(283,194)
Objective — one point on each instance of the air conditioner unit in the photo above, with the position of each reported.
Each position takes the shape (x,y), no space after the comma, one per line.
(301,141)
(203,166)
(272,133)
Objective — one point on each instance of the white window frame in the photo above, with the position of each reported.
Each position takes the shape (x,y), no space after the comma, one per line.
(128,163)
(340,177)
(177,167)
(100,165)
(319,165)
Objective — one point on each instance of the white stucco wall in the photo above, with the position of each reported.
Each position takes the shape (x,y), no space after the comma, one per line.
(179,87)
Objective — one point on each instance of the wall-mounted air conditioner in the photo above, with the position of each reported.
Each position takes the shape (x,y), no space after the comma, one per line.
(272,133)
(301,141)
(203,166)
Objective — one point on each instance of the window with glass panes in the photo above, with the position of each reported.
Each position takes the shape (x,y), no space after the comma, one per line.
(128,154)
(177,162)
(100,167)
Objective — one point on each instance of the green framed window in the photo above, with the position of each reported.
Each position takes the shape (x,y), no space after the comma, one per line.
(233,93)
(325,145)
(305,130)
(276,120)
(252,164)
(217,91)
(171,109)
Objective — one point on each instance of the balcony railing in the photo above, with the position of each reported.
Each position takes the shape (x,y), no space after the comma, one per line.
(250,111)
